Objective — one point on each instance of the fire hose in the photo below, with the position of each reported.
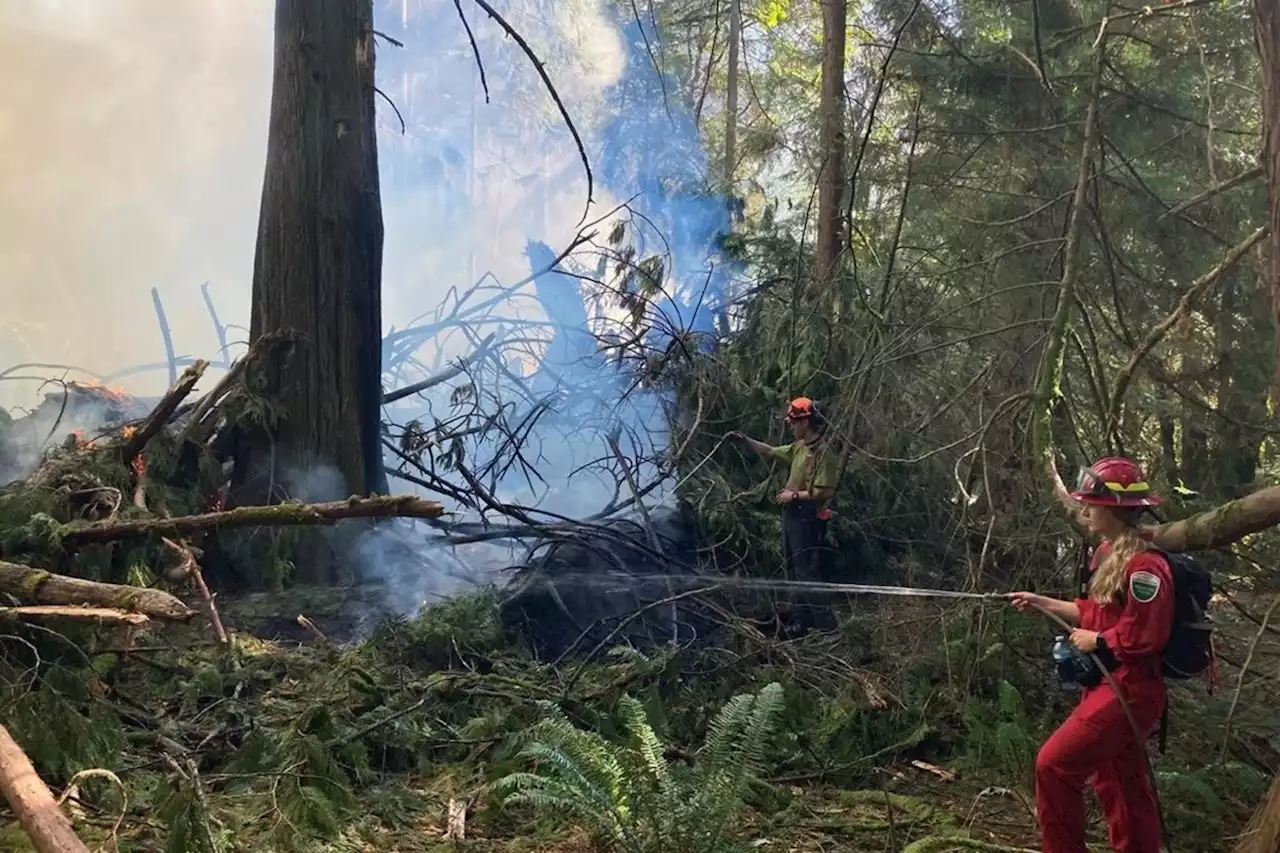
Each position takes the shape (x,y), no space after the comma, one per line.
(915,592)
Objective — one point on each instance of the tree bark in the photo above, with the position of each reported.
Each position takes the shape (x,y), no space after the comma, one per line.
(318,263)
(36,585)
(49,829)
(831,141)
(731,95)
(1266,21)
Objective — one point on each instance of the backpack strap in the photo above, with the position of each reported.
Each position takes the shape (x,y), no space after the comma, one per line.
(1082,569)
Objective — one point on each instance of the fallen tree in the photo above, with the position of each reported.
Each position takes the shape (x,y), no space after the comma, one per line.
(49,829)
(77,534)
(38,586)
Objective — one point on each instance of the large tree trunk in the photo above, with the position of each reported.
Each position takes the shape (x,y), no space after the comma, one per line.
(1267,34)
(831,142)
(1264,829)
(318,265)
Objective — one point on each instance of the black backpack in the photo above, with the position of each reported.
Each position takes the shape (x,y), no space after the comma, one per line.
(1189,651)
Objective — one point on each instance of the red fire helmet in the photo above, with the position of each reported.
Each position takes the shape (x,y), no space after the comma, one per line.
(1114,481)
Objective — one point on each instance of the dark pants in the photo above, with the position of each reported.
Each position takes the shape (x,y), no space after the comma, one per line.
(804,541)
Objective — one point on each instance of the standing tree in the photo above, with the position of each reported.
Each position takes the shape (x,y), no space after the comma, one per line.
(318,263)
(831,140)
(1266,20)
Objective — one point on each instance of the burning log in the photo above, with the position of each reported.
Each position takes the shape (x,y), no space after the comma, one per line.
(49,829)
(163,411)
(27,584)
(277,515)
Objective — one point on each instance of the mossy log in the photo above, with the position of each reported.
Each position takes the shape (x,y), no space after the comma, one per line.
(49,829)
(41,587)
(1221,525)
(277,515)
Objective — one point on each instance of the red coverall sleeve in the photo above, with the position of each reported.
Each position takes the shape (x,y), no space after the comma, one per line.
(1147,619)
(1088,608)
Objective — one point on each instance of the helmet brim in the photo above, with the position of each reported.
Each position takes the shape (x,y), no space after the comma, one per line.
(1097,500)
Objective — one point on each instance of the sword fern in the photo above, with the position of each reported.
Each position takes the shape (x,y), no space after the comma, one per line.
(630,795)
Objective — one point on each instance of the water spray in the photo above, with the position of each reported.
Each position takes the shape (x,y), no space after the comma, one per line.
(774,584)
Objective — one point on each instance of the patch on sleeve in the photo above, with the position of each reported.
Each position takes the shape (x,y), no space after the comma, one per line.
(1144,586)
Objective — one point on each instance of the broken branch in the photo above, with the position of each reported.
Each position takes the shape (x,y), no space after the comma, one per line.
(190,568)
(276,515)
(49,829)
(75,613)
(27,584)
(163,411)
(1157,333)
(442,376)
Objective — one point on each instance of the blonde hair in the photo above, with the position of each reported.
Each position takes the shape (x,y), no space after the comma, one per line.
(1108,579)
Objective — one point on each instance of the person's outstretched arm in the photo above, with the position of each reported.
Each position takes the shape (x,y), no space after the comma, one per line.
(757,447)
(1067,611)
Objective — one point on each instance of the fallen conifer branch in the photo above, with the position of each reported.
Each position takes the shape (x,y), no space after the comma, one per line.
(75,613)
(163,411)
(276,515)
(49,829)
(37,585)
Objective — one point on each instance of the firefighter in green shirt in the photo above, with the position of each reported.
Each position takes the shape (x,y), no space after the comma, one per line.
(814,469)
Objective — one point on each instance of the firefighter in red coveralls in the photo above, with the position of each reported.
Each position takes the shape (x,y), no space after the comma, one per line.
(1126,620)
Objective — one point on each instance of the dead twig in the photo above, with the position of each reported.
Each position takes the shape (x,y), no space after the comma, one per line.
(1244,671)
(190,568)
(555,96)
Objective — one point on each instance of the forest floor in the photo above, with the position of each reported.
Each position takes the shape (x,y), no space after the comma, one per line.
(903,725)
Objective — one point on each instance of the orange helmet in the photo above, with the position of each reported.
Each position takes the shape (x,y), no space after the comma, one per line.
(1114,481)
(799,409)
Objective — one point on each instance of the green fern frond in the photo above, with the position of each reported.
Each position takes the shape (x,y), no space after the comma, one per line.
(647,743)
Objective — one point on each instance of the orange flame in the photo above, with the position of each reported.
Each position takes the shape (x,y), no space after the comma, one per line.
(114,393)
(139,465)
(127,431)
(82,443)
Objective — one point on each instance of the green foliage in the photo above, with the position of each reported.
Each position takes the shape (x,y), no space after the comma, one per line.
(633,796)
(999,733)
(449,633)
(61,727)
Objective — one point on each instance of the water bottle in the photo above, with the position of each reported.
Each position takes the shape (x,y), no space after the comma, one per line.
(1064,661)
